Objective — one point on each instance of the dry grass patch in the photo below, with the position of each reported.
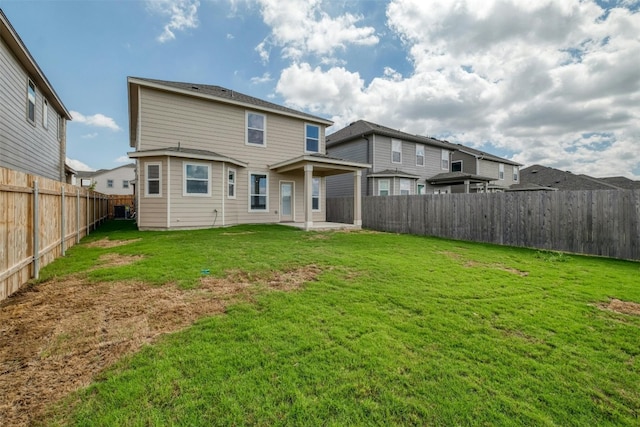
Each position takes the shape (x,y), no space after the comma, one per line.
(624,307)
(116,260)
(106,243)
(56,336)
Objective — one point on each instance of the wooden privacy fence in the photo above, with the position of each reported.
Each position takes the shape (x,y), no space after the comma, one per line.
(120,200)
(39,219)
(599,222)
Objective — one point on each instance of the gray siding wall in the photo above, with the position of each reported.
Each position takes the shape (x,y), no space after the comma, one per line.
(342,185)
(26,146)
(468,162)
(491,169)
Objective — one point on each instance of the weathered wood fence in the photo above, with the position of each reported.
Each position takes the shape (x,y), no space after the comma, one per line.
(39,219)
(120,200)
(601,222)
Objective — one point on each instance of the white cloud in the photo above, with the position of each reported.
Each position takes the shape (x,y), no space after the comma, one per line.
(123,159)
(265,78)
(301,27)
(183,15)
(98,120)
(78,165)
(551,82)
(90,135)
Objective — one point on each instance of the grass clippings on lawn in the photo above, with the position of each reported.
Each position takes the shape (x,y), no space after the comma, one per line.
(56,336)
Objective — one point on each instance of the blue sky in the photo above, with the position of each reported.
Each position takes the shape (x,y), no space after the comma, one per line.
(541,81)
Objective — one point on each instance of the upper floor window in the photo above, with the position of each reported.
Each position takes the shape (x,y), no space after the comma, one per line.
(196,179)
(396,151)
(256,129)
(45,114)
(419,155)
(456,166)
(445,159)
(516,171)
(231,184)
(109,183)
(258,190)
(125,183)
(501,171)
(405,186)
(153,179)
(312,139)
(383,187)
(31,102)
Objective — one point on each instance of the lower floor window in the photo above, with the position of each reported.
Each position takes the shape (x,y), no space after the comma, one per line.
(196,177)
(405,186)
(421,189)
(258,192)
(315,194)
(383,187)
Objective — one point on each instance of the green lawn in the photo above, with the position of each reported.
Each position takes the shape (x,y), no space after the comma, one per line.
(397,330)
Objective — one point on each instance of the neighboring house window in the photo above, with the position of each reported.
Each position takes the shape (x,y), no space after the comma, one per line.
(516,172)
(421,189)
(456,166)
(256,129)
(419,155)
(405,186)
(125,183)
(445,159)
(312,139)
(383,187)
(196,179)
(153,180)
(110,183)
(396,151)
(501,171)
(31,102)
(315,194)
(258,187)
(231,184)
(45,114)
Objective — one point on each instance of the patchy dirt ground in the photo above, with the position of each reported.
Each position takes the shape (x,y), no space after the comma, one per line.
(626,307)
(56,336)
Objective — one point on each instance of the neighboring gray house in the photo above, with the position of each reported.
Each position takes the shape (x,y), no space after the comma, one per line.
(564,180)
(209,156)
(401,163)
(476,171)
(32,116)
(109,181)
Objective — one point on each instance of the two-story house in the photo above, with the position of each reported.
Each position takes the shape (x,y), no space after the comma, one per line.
(476,171)
(209,156)
(32,116)
(116,181)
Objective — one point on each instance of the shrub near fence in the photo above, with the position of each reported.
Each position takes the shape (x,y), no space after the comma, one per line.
(39,219)
(599,222)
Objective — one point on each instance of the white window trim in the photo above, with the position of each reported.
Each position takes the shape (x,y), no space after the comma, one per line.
(516,173)
(501,171)
(405,181)
(246,129)
(457,161)
(420,146)
(109,183)
(444,158)
(125,183)
(424,189)
(250,194)
(146,179)
(395,151)
(45,114)
(306,137)
(184,179)
(235,183)
(35,97)
(388,181)
(319,194)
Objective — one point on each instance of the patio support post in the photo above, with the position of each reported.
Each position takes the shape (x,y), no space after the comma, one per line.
(308,197)
(357,198)
(486,187)
(466,186)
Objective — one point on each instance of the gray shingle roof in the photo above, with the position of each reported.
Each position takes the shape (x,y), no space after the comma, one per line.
(230,95)
(450,177)
(622,182)
(362,127)
(486,156)
(551,177)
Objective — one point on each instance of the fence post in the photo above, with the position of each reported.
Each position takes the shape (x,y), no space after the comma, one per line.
(36,231)
(78,216)
(88,213)
(62,222)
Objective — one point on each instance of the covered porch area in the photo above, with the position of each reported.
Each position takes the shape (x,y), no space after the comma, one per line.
(319,165)
(462,180)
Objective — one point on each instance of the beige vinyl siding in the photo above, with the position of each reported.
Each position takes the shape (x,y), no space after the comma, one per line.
(117,175)
(152,211)
(191,211)
(491,169)
(168,119)
(26,146)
